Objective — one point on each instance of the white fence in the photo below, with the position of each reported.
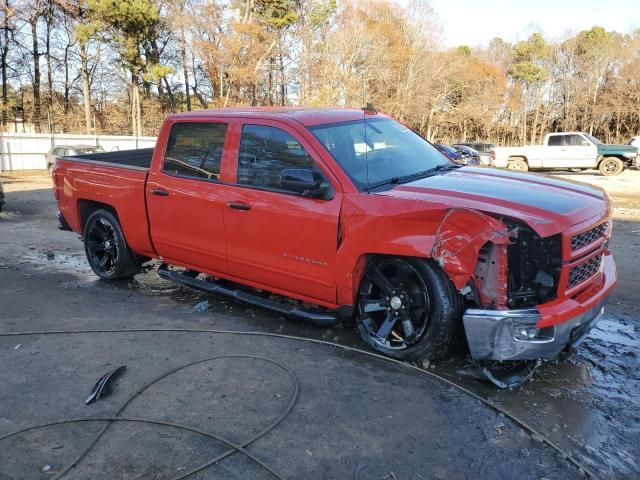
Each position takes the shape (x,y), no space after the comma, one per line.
(26,151)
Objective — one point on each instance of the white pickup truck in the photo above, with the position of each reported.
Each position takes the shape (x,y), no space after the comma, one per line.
(573,150)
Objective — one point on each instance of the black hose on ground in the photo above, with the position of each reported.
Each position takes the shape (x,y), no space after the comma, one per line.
(234,448)
(522,424)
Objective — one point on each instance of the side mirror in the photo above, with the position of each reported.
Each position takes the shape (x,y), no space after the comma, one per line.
(305,182)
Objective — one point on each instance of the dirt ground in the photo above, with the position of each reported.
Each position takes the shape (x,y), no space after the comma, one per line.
(355,417)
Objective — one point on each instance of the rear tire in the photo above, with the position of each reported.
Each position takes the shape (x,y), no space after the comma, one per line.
(610,166)
(408,309)
(107,252)
(519,164)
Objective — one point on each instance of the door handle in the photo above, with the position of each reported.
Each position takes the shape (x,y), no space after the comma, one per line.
(238,205)
(160,192)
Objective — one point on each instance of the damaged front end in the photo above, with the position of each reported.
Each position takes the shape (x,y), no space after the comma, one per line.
(505,271)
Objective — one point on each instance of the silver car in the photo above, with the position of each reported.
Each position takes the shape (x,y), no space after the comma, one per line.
(68,151)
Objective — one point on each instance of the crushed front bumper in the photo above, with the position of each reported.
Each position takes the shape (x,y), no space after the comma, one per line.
(543,332)
(505,334)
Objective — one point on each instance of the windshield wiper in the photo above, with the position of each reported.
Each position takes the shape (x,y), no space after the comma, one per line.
(414,176)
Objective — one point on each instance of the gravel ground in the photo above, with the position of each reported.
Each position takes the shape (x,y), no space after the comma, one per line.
(588,402)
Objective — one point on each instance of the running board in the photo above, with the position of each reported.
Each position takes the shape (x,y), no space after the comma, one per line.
(320,319)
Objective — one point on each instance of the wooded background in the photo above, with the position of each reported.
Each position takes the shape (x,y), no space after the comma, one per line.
(119,66)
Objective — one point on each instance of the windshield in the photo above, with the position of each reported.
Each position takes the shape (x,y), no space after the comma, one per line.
(390,150)
(592,138)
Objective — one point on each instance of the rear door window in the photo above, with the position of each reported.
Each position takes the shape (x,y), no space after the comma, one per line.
(265,152)
(556,140)
(194,150)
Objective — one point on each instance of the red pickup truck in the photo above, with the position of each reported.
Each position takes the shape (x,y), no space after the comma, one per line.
(347,215)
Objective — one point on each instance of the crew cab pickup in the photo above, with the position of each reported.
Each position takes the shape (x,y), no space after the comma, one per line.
(347,215)
(574,150)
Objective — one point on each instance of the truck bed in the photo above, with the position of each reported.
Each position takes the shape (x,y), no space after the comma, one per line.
(139,159)
(113,179)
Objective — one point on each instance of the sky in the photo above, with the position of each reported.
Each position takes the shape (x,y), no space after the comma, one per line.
(475,22)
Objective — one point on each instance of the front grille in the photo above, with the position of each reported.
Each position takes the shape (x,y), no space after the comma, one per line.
(584,271)
(590,236)
(534,265)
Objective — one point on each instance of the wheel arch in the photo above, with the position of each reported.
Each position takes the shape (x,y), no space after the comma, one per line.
(518,157)
(619,156)
(87,207)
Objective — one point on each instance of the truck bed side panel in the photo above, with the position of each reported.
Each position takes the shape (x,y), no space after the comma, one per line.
(140,158)
(121,188)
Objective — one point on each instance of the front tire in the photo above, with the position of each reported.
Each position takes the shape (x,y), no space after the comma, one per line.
(107,252)
(610,166)
(408,309)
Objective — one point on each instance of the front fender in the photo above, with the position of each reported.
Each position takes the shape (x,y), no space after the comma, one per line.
(452,237)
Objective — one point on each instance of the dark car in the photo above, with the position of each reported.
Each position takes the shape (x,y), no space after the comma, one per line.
(483,149)
(1,196)
(68,151)
(458,156)
(449,152)
(469,155)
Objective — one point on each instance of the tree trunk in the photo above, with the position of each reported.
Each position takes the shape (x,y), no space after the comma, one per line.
(37,105)
(3,60)
(593,109)
(137,104)
(185,70)
(67,86)
(270,81)
(523,136)
(167,87)
(430,125)
(283,90)
(138,111)
(534,127)
(132,97)
(86,93)
(49,20)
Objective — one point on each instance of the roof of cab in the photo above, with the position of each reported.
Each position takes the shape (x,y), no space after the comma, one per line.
(305,116)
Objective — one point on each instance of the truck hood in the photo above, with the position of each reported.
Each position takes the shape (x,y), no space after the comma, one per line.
(547,205)
(609,149)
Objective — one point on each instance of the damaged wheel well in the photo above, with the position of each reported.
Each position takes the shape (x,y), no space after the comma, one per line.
(461,237)
(494,262)
(364,260)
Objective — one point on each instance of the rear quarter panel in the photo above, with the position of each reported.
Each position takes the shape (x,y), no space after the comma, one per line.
(121,188)
(534,154)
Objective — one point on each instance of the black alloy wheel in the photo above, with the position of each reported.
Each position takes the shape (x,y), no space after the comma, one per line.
(103,248)
(107,251)
(394,304)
